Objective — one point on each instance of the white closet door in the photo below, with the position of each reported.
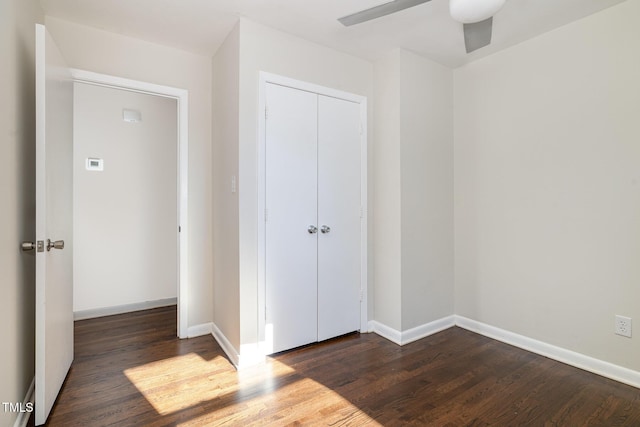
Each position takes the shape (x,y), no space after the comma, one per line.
(338,209)
(291,203)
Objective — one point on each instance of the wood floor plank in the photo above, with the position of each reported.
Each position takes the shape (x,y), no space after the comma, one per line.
(131,370)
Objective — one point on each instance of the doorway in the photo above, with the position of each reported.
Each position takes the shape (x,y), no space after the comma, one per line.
(147,228)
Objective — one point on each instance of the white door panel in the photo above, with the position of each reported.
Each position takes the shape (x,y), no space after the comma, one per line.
(291,203)
(54,208)
(339,209)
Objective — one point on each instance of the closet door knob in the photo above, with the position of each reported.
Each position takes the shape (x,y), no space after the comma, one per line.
(325,229)
(312,229)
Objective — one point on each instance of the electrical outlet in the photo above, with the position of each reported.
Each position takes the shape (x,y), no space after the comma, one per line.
(623,326)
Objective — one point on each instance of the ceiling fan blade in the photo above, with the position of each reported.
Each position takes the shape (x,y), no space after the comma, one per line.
(478,34)
(378,11)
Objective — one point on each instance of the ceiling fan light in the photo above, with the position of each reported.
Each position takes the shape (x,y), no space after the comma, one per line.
(471,11)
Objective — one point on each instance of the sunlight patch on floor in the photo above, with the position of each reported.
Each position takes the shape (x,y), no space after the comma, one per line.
(180,382)
(217,391)
(283,406)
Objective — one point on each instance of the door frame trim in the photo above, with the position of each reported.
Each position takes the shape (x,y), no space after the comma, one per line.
(182,98)
(265,78)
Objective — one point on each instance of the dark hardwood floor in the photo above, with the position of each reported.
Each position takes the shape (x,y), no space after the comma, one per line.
(131,370)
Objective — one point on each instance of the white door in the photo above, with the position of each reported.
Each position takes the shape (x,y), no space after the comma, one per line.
(54,207)
(313,224)
(291,209)
(339,217)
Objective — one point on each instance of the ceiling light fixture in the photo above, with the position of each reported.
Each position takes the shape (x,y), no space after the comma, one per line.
(472,11)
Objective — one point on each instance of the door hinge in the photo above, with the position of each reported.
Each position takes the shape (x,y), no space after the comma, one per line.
(179,229)
(361,295)
(266,215)
(361,212)
(266,112)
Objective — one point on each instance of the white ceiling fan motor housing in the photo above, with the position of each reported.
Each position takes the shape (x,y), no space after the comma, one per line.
(471,11)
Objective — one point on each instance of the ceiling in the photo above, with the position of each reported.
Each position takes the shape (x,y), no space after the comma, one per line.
(200,26)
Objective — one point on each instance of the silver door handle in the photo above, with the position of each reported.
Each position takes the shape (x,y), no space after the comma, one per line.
(312,229)
(58,244)
(325,229)
(28,246)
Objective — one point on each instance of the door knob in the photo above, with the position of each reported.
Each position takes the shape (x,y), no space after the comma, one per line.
(58,244)
(28,246)
(325,229)
(312,229)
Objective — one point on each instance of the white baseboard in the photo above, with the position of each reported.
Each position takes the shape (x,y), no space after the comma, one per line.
(578,360)
(199,330)
(23,417)
(227,347)
(385,331)
(413,334)
(120,309)
(250,354)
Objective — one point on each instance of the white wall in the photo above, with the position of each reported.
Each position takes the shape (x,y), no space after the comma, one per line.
(125,217)
(547,186)
(226,292)
(264,49)
(387,236)
(108,53)
(17,192)
(413,153)
(426,174)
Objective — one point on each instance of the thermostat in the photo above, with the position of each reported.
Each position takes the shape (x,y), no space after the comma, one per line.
(131,116)
(94,164)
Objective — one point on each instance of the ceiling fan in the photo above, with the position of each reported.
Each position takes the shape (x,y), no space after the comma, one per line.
(475,15)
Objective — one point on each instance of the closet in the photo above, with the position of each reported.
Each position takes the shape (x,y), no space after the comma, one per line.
(312,216)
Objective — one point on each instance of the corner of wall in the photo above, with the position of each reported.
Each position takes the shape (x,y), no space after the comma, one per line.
(413,161)
(225,172)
